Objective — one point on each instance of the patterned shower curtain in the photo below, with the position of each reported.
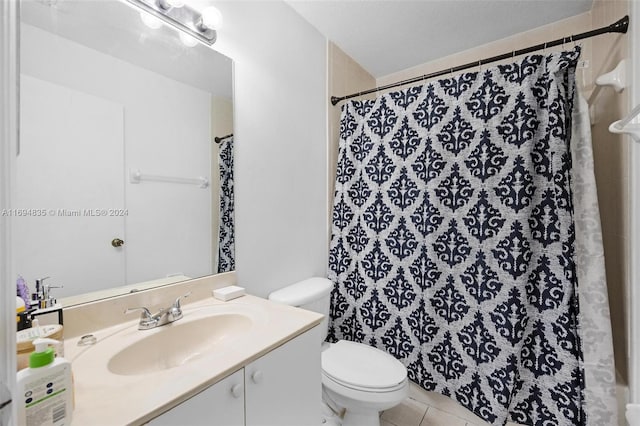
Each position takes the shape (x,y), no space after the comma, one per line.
(453,244)
(226,231)
(594,319)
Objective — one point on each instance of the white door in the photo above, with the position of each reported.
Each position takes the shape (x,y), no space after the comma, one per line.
(69,209)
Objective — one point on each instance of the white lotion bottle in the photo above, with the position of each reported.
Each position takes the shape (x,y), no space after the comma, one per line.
(45,394)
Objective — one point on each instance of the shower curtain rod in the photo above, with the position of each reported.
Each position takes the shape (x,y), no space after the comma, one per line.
(620,26)
(220,139)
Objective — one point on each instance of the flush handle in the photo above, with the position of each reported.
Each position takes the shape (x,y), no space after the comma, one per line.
(257,376)
(237,390)
(117,242)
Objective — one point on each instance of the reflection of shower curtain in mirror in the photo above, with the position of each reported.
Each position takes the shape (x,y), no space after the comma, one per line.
(226,235)
(456,243)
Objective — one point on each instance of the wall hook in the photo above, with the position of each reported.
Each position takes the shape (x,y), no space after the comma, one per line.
(616,78)
(625,126)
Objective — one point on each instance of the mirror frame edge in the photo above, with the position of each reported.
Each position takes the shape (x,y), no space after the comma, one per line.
(9,119)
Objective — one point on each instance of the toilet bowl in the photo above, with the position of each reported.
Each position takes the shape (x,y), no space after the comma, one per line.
(358,381)
(363,381)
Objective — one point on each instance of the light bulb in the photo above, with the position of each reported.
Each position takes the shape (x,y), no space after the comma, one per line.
(175,3)
(211,18)
(187,40)
(150,20)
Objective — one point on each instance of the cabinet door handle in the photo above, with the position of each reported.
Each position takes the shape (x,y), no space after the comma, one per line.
(257,376)
(237,390)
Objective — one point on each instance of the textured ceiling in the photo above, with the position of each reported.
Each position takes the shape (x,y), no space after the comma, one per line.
(385,36)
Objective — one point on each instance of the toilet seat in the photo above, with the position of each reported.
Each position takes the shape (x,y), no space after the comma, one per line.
(363,368)
(336,384)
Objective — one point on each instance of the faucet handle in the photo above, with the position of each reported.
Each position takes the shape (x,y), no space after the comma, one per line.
(147,320)
(175,311)
(176,304)
(145,315)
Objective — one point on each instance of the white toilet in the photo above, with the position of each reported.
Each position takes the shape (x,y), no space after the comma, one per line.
(356,378)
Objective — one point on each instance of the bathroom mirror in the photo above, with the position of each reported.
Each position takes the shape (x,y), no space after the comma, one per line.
(118,174)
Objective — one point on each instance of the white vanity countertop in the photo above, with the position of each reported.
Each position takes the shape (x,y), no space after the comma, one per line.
(105,398)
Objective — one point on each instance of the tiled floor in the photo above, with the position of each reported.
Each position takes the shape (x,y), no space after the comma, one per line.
(423,408)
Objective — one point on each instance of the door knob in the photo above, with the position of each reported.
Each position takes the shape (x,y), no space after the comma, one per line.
(117,242)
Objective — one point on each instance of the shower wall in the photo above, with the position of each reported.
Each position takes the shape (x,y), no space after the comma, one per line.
(612,153)
(345,76)
(599,55)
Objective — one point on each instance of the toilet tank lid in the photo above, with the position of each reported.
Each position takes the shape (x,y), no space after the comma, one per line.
(303,292)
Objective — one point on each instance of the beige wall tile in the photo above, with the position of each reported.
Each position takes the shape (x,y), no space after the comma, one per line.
(573,25)
(611,154)
(345,76)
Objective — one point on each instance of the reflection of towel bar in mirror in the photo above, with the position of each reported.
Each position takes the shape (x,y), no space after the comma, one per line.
(135,176)
(626,126)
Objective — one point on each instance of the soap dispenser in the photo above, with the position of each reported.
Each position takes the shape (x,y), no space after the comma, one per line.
(45,395)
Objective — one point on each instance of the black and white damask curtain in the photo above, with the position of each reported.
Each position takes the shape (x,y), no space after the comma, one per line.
(226,226)
(453,238)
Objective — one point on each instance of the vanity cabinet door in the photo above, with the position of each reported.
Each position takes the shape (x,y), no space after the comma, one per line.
(283,388)
(221,404)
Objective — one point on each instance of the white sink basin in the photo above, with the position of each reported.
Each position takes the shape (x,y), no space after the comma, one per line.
(205,333)
(178,343)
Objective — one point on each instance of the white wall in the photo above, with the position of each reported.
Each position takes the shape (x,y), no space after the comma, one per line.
(166,132)
(280,102)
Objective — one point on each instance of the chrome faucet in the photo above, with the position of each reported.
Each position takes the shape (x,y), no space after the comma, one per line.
(164,315)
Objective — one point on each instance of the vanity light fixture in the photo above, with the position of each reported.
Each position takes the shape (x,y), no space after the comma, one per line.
(211,18)
(201,26)
(168,4)
(187,40)
(150,21)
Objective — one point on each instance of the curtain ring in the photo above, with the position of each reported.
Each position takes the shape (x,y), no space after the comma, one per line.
(544,49)
(480,66)
(513,53)
(451,73)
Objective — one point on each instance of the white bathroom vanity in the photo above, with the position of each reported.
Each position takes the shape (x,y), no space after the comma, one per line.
(248,361)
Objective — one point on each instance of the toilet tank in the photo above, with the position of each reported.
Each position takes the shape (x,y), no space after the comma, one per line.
(313,294)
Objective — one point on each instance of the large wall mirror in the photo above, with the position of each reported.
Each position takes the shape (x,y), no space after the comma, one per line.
(118,175)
